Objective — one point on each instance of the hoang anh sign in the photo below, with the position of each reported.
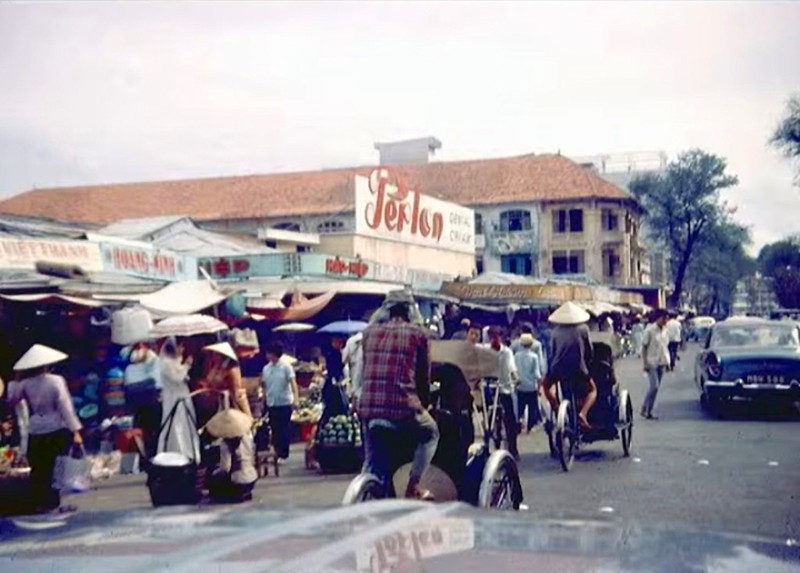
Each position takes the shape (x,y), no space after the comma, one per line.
(387,208)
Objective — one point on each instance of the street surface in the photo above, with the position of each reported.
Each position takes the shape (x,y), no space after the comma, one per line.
(687,470)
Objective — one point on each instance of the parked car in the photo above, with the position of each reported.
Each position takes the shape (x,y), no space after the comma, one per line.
(697,328)
(749,358)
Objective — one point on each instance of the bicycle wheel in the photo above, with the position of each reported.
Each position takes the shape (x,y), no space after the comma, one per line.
(500,487)
(497,427)
(626,418)
(363,488)
(565,436)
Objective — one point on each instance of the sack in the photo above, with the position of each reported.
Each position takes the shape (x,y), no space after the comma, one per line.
(130,325)
(245,338)
(73,472)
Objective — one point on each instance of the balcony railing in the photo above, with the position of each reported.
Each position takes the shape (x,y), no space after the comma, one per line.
(511,242)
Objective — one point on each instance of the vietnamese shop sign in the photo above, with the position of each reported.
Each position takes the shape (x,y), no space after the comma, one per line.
(387,208)
(146,262)
(247,266)
(25,253)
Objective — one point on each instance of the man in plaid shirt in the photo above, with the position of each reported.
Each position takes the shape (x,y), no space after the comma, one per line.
(396,377)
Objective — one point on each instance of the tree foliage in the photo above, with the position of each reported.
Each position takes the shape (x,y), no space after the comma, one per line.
(787,135)
(781,261)
(720,262)
(684,208)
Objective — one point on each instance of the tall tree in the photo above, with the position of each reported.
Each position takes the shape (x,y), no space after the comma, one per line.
(787,135)
(718,265)
(781,261)
(683,205)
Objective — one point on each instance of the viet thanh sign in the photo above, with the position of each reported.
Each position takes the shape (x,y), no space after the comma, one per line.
(146,262)
(387,208)
(25,253)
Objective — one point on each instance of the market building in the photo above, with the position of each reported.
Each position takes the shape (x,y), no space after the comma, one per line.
(534,215)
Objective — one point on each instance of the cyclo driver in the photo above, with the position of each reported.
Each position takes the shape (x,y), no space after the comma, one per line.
(571,356)
(396,378)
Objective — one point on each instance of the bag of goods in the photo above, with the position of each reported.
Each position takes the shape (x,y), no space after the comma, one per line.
(73,472)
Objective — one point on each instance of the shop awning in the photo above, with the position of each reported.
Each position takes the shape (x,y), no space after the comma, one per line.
(300,309)
(187,297)
(53,298)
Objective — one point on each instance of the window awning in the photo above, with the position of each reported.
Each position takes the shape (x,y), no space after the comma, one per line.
(187,297)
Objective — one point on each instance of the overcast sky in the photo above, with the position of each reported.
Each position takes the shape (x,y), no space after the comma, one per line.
(105,92)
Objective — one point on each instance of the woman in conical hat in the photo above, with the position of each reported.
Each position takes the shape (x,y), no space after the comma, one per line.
(572,355)
(53,423)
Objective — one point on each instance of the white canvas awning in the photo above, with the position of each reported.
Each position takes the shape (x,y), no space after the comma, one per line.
(53,298)
(187,297)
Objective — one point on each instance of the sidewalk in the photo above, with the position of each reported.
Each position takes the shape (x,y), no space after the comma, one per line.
(296,486)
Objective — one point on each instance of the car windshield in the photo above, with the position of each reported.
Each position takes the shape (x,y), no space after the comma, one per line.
(761,335)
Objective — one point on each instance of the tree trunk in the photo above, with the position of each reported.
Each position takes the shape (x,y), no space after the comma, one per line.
(675,297)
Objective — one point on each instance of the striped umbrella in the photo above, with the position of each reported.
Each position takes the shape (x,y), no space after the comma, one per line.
(188,325)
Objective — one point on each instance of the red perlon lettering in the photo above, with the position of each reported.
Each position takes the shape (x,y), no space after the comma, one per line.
(394,212)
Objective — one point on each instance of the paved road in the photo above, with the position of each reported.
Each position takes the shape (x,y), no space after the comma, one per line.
(687,470)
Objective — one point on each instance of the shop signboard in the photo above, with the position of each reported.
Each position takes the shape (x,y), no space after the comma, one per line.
(554,293)
(334,266)
(25,253)
(386,208)
(416,278)
(247,266)
(146,262)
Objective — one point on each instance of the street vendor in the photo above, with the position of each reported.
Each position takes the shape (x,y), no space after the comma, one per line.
(333,396)
(54,425)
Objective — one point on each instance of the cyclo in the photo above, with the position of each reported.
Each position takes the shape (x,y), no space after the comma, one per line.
(611,418)
(462,469)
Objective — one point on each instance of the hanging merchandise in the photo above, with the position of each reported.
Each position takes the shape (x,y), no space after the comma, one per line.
(236,305)
(130,325)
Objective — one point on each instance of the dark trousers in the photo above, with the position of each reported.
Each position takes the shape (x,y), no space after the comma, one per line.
(280,425)
(43,449)
(510,423)
(143,402)
(673,354)
(531,400)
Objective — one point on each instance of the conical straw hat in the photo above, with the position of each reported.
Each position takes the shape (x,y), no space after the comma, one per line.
(229,423)
(569,313)
(223,348)
(39,355)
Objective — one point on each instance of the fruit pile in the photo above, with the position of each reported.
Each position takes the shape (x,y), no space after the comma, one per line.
(340,430)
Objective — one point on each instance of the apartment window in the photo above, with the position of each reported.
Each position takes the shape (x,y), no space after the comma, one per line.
(303,249)
(610,220)
(517,264)
(272,244)
(568,262)
(330,227)
(516,220)
(288,227)
(479,265)
(478,224)
(568,221)
(611,267)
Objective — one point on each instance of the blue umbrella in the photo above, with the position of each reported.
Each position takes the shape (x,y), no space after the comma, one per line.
(344,327)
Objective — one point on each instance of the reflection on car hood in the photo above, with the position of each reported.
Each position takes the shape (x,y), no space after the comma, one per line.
(763,352)
(375,537)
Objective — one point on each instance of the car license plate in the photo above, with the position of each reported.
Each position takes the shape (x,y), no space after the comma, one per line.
(765,379)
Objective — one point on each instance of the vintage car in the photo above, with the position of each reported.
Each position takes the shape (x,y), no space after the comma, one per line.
(749,358)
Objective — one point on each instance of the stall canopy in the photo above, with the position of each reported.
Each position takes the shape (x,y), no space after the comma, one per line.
(187,297)
(53,298)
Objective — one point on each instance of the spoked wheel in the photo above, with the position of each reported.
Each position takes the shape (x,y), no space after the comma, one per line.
(565,436)
(500,486)
(549,429)
(626,418)
(363,488)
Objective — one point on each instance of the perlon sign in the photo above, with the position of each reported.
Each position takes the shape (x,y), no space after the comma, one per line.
(387,208)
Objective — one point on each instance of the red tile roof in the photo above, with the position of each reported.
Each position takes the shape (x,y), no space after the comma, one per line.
(525,178)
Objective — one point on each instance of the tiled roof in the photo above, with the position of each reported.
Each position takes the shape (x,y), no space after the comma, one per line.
(524,178)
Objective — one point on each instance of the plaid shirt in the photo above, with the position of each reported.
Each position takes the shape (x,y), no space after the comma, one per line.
(396,371)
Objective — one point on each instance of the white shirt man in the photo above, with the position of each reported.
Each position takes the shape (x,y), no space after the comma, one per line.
(673,329)
(655,353)
(353,358)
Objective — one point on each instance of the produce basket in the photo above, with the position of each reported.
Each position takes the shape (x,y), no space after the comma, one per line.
(339,447)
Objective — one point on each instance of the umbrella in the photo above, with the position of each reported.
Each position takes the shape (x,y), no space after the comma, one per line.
(294,327)
(189,325)
(347,327)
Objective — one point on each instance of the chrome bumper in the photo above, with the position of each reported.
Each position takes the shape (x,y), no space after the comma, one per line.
(739,387)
